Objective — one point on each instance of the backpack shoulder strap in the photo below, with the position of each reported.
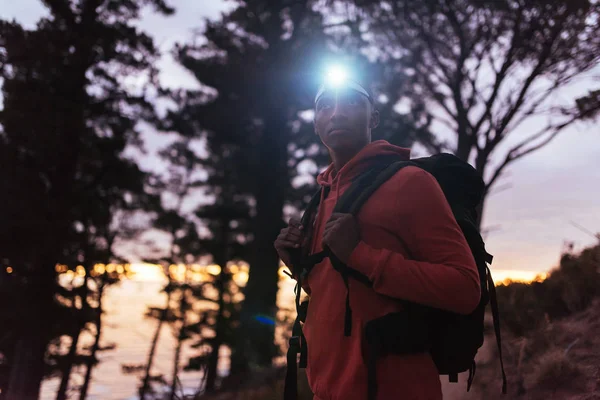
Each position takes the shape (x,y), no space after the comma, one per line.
(312,207)
(365,185)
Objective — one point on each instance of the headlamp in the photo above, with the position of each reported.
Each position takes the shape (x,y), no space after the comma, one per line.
(338,78)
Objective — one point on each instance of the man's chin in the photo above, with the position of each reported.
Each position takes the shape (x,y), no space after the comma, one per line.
(342,142)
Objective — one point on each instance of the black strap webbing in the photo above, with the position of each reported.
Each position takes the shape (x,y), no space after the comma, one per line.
(348,314)
(343,269)
(496,318)
(290,390)
(472,370)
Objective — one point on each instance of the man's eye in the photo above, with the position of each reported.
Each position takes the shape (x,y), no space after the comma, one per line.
(353,100)
(324,104)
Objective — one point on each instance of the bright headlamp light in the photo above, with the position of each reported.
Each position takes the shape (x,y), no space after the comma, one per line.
(337,78)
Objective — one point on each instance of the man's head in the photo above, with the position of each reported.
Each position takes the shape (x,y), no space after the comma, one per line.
(345,115)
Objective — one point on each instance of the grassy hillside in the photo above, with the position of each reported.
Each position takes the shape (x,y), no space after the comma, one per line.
(551,332)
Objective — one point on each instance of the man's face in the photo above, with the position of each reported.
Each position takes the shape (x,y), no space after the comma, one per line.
(344,119)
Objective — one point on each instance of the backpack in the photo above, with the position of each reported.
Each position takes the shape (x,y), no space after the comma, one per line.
(452,339)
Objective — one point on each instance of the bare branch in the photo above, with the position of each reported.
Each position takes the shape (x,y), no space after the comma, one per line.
(538,146)
(464,125)
(449,124)
(500,189)
(475,94)
(498,171)
(429,39)
(533,109)
(439,98)
(515,153)
(534,74)
(502,73)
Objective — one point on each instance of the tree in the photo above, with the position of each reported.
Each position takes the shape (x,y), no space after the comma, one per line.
(487,69)
(64,104)
(185,245)
(163,316)
(226,226)
(259,67)
(101,280)
(228,220)
(100,212)
(247,42)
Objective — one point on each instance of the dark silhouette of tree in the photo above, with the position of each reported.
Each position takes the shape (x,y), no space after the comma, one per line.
(101,281)
(163,316)
(66,121)
(486,68)
(589,106)
(228,220)
(185,247)
(259,67)
(226,226)
(78,322)
(181,333)
(100,214)
(217,326)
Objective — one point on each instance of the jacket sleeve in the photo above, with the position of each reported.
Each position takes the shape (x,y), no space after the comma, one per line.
(442,272)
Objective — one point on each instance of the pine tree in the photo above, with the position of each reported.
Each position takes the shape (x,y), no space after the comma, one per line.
(185,247)
(66,121)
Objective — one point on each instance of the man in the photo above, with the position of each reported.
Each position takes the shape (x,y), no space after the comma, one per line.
(405,239)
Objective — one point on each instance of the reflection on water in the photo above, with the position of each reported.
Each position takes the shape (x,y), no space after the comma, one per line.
(125,324)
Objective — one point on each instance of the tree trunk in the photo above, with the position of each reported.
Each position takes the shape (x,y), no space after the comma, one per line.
(213,360)
(26,371)
(221,258)
(95,346)
(464,148)
(480,165)
(180,338)
(146,382)
(66,371)
(256,336)
(28,365)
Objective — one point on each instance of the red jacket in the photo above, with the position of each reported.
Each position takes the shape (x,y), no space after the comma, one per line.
(411,248)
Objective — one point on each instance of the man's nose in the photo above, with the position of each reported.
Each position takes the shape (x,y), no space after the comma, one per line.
(339,111)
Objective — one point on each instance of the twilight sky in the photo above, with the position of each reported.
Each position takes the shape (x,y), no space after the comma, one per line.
(550,188)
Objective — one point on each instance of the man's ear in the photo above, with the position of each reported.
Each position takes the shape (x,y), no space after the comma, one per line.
(374,123)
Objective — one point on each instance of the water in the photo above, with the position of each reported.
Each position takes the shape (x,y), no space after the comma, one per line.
(125,324)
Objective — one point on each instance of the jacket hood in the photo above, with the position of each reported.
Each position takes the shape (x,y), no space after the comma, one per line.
(368,156)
